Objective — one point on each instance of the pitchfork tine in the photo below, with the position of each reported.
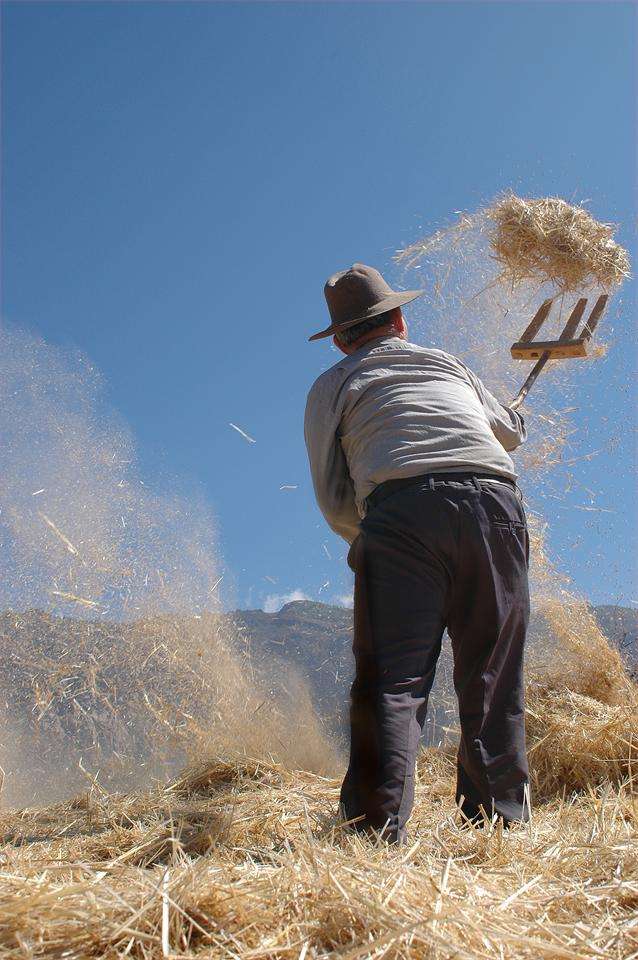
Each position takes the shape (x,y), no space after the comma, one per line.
(570,329)
(568,344)
(574,320)
(594,316)
(538,320)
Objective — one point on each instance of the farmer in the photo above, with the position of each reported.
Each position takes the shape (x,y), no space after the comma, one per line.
(409,459)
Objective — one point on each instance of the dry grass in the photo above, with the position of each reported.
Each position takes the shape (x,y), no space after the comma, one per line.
(582,708)
(240,857)
(244,859)
(548,239)
(136,700)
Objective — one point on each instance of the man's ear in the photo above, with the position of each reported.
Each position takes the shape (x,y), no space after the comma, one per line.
(399,324)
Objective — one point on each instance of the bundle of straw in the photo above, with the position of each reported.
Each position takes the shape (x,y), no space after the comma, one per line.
(549,240)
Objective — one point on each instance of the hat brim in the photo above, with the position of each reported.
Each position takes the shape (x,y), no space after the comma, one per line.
(388,303)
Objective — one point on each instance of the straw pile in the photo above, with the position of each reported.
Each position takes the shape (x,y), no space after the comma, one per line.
(241,857)
(549,240)
(582,707)
(244,859)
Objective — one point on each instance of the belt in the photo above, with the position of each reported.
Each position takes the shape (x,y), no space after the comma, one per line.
(389,487)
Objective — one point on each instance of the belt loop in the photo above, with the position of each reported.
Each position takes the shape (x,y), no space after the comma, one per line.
(431,483)
(476,484)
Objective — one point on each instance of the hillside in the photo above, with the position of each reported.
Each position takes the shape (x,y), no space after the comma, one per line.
(317,639)
(620,626)
(311,632)
(113,690)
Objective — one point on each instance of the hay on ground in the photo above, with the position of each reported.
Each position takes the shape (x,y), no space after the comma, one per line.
(256,866)
(582,706)
(241,857)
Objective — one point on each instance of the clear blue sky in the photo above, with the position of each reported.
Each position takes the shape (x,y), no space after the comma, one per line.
(180,178)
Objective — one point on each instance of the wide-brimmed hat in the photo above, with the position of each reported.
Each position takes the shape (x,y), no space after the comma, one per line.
(358,294)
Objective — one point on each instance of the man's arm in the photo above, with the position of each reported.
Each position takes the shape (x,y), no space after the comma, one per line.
(331,480)
(507,425)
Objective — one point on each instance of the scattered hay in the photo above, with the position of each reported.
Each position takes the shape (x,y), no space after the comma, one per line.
(136,700)
(582,706)
(548,239)
(581,658)
(577,742)
(242,857)
(259,868)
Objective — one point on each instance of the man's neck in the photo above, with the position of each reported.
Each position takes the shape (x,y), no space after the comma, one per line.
(378,340)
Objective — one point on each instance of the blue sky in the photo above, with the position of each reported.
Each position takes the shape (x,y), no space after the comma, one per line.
(178,179)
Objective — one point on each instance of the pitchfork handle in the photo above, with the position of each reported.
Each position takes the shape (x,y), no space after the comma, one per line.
(522,393)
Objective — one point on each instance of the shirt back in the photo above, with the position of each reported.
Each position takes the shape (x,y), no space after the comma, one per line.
(397,409)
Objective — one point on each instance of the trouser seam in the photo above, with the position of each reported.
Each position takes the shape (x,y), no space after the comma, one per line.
(408,763)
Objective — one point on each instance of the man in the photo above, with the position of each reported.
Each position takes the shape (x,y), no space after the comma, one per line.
(408,454)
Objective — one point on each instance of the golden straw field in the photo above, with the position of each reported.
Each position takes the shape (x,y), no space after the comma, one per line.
(243,857)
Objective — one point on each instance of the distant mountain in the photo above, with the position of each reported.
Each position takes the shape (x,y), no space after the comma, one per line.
(66,679)
(317,639)
(311,631)
(314,637)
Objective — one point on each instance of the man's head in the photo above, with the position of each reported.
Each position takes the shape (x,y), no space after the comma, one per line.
(361,298)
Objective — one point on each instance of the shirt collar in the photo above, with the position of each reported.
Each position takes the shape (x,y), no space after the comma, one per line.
(384,341)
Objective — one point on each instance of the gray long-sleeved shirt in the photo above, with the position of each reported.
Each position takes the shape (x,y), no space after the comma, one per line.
(395,409)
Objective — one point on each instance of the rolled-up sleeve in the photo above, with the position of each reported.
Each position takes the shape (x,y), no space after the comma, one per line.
(506,424)
(331,480)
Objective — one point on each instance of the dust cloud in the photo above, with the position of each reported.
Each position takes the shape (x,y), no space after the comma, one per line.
(116,663)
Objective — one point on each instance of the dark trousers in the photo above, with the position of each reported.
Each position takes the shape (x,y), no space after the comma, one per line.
(444,551)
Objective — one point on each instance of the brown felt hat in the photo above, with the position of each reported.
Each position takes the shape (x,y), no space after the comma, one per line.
(358,294)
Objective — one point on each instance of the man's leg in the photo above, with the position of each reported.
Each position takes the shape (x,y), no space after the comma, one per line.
(399,610)
(487,625)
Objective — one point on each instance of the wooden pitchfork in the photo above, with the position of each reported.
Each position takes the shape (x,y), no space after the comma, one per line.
(569,344)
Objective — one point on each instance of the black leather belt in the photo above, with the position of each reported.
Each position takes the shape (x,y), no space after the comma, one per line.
(388,487)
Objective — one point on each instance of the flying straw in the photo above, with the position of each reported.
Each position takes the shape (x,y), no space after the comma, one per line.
(243,433)
(65,540)
(83,601)
(166,947)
